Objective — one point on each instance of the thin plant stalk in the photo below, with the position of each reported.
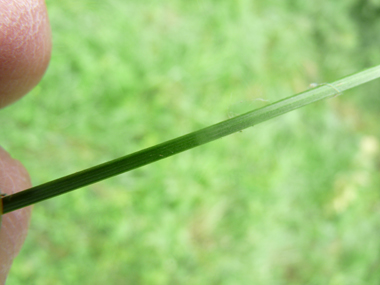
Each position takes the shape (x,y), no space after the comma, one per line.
(185,142)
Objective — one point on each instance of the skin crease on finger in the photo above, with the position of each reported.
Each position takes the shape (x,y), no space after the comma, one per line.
(25,47)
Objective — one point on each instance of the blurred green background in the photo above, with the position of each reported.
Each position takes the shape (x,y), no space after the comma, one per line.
(291,201)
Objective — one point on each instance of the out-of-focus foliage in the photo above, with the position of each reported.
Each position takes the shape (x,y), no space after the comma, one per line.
(292,201)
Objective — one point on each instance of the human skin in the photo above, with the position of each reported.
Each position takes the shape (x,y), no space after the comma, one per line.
(25,47)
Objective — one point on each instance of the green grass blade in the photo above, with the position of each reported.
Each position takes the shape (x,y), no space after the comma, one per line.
(180,144)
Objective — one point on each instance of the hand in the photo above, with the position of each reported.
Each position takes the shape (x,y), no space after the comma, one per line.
(25,46)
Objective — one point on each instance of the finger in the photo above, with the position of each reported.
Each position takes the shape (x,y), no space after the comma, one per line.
(13,178)
(25,47)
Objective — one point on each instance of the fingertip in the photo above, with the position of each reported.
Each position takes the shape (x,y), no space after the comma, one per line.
(25,47)
(13,178)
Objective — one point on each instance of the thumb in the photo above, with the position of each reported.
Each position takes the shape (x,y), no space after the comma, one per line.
(14,227)
(25,46)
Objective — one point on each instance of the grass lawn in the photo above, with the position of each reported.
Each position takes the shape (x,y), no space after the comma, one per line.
(291,201)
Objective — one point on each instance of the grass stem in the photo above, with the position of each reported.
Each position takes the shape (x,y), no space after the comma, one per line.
(186,142)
